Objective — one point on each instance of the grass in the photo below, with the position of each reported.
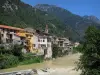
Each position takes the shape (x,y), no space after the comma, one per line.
(35,59)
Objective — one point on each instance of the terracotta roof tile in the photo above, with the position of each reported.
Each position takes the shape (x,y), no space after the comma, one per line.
(12,28)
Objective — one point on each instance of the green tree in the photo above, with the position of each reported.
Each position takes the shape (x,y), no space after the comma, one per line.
(78,49)
(89,61)
(7,61)
(57,52)
(17,51)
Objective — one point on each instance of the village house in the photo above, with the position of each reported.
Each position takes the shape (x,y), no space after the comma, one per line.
(33,41)
(63,43)
(43,43)
(8,35)
(12,35)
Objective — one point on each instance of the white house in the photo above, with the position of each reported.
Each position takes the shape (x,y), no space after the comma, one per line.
(8,34)
(43,44)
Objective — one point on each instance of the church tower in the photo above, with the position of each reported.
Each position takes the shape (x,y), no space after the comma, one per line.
(46,29)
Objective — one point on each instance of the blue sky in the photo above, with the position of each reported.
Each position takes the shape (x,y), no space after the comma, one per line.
(80,7)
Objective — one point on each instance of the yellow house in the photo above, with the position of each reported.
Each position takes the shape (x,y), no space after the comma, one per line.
(29,41)
(28,37)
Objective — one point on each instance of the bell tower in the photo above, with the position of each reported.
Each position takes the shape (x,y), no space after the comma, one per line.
(46,29)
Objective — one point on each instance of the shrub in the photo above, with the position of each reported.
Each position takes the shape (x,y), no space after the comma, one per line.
(57,52)
(7,61)
(77,49)
(30,58)
(3,50)
(17,51)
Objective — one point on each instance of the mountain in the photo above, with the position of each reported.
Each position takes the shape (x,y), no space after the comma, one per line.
(19,14)
(92,18)
(76,22)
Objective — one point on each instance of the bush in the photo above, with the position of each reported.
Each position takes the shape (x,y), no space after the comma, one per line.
(17,51)
(7,61)
(3,50)
(77,49)
(57,52)
(30,58)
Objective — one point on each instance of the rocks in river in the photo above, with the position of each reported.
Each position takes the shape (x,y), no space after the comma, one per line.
(22,72)
(19,73)
(26,72)
(44,71)
(35,71)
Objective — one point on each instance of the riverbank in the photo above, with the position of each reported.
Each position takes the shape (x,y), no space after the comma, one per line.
(63,65)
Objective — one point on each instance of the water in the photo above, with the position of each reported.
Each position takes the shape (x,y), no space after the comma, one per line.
(60,66)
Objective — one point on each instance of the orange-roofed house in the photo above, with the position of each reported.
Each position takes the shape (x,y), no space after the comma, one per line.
(14,35)
(8,34)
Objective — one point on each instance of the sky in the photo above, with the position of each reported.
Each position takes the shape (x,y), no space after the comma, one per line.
(79,7)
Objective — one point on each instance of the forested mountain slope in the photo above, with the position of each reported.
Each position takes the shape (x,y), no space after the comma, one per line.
(76,22)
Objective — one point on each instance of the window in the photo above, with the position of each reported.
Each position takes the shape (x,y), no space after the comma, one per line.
(43,45)
(38,40)
(3,30)
(61,44)
(2,35)
(34,45)
(43,40)
(49,40)
(66,44)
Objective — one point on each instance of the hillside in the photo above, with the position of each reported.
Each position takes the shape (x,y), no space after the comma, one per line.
(17,13)
(92,18)
(76,22)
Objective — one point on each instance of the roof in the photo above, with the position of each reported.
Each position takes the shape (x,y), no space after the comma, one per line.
(30,30)
(42,33)
(12,28)
(21,34)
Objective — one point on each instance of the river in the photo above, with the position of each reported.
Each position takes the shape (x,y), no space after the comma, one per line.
(61,66)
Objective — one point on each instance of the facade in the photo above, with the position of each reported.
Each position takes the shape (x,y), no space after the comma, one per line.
(8,34)
(63,43)
(33,41)
(27,39)
(13,35)
(43,44)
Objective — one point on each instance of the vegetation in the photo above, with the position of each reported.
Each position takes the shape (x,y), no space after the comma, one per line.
(30,58)
(77,49)
(27,16)
(23,15)
(17,51)
(13,56)
(58,52)
(75,24)
(7,61)
(89,61)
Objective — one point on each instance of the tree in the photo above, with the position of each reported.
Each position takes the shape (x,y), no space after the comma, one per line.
(7,61)
(17,51)
(57,51)
(89,61)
